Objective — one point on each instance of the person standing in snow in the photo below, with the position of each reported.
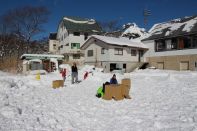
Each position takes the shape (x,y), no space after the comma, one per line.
(113,80)
(63,72)
(74,73)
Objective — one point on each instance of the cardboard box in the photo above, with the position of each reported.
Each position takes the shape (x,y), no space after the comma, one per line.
(108,92)
(117,92)
(126,82)
(58,83)
(113,91)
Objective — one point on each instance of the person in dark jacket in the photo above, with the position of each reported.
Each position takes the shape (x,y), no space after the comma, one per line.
(113,80)
(74,73)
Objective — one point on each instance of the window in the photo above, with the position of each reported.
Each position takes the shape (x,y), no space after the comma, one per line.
(133,52)
(184,42)
(76,56)
(85,36)
(75,45)
(168,44)
(76,33)
(159,45)
(90,53)
(102,50)
(174,43)
(67,44)
(195,41)
(54,46)
(118,51)
(61,46)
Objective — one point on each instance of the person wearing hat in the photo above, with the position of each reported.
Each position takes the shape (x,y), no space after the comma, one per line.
(113,80)
(74,73)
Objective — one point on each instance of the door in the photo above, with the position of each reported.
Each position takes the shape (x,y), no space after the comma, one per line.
(141,53)
(195,66)
(160,65)
(112,66)
(184,65)
(124,67)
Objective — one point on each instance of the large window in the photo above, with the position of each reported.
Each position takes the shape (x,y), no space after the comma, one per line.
(75,45)
(133,52)
(118,51)
(76,56)
(76,33)
(168,44)
(185,42)
(174,43)
(195,41)
(159,45)
(90,53)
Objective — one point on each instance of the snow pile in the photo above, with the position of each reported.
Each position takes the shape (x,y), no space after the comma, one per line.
(173,26)
(161,100)
(132,30)
(91,21)
(35,72)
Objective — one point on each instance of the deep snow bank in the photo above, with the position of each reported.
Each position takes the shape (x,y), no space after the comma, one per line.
(161,100)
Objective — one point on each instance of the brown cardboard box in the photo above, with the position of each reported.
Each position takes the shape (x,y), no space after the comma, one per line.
(113,91)
(126,82)
(108,92)
(126,88)
(58,83)
(117,93)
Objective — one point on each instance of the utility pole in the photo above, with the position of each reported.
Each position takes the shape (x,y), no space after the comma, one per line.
(146,13)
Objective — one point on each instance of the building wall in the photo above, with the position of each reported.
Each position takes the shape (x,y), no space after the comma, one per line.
(52,48)
(174,62)
(170,60)
(151,52)
(65,39)
(104,60)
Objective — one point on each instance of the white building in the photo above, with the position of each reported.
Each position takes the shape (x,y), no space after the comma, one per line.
(72,33)
(49,63)
(53,43)
(173,44)
(113,53)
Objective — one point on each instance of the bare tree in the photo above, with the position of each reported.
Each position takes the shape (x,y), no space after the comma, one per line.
(110,26)
(26,22)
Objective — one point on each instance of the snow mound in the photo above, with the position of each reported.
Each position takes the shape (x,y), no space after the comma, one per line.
(133,31)
(161,100)
(35,72)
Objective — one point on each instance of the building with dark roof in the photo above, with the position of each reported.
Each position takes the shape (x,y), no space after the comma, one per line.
(72,33)
(173,44)
(53,43)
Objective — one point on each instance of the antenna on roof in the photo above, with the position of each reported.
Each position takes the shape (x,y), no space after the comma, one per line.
(146,13)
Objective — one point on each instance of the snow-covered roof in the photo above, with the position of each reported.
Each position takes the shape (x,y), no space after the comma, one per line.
(81,21)
(116,41)
(81,24)
(173,28)
(41,56)
(134,29)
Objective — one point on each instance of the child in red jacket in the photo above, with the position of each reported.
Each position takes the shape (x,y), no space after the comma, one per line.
(85,75)
(63,72)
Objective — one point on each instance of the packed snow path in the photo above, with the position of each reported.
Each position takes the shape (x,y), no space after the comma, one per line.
(161,100)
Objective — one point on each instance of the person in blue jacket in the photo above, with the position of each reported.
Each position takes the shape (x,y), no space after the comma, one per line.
(113,80)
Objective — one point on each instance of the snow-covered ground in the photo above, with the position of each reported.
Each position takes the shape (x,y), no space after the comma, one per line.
(161,100)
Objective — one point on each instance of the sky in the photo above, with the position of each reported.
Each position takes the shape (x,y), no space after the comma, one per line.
(125,11)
